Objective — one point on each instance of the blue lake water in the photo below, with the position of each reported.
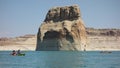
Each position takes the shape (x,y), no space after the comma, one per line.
(60,59)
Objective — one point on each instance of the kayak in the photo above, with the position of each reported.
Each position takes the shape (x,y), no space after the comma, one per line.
(18,54)
(21,54)
(105,52)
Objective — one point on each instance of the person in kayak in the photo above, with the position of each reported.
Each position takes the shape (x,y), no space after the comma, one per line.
(18,52)
(14,52)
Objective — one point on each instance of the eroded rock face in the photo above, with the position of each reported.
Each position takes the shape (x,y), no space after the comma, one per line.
(63,29)
(102,32)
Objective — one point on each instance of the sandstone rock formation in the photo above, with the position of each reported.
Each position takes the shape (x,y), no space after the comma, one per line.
(102,32)
(62,29)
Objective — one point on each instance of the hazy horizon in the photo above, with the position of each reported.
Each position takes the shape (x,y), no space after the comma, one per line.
(20,17)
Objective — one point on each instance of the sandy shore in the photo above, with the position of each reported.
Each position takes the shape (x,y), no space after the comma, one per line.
(16,47)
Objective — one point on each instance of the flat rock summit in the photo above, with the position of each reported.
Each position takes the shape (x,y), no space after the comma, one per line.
(62,29)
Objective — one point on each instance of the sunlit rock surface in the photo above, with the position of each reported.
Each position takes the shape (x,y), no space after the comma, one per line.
(62,29)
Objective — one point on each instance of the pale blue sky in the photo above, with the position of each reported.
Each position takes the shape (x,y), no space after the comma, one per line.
(20,17)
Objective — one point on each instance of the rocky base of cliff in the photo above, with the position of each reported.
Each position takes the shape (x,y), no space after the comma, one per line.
(103,43)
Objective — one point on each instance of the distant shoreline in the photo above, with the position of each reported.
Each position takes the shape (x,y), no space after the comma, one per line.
(97,40)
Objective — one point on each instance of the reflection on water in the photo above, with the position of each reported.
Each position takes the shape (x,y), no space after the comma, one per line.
(60,59)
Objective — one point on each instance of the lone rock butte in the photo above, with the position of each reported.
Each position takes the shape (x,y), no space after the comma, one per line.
(62,29)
